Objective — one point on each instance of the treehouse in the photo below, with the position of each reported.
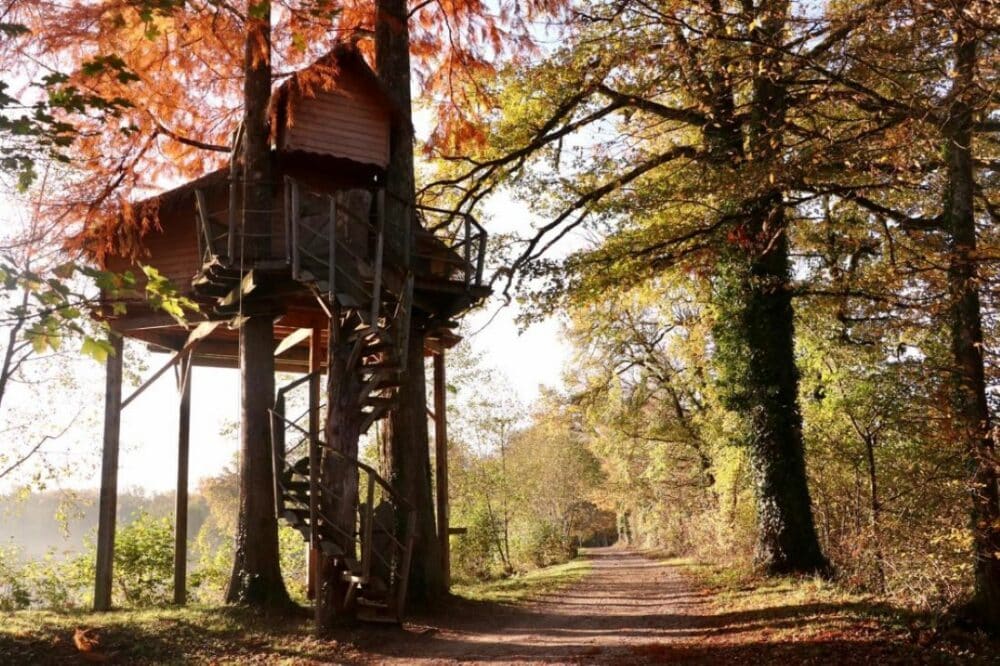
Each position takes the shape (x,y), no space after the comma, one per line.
(327,255)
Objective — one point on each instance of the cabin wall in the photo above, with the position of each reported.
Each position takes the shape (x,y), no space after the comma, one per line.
(345,123)
(173,250)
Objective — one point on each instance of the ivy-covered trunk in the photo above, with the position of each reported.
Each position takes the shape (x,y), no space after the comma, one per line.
(758,381)
(754,331)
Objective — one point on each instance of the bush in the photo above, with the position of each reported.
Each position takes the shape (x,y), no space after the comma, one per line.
(473,554)
(14,593)
(546,544)
(50,582)
(144,560)
(214,564)
(294,553)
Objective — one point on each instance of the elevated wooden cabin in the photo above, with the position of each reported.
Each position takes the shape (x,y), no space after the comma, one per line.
(332,126)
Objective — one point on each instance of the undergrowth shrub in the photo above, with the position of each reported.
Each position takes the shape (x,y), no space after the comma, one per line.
(144,560)
(545,544)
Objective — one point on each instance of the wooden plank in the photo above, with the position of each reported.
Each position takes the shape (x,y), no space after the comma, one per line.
(441,464)
(293,340)
(332,248)
(379,251)
(107,511)
(296,207)
(315,364)
(181,498)
(202,331)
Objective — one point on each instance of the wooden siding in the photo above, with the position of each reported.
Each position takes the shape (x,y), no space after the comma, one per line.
(172,251)
(346,123)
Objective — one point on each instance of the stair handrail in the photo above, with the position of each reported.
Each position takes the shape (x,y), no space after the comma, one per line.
(406,516)
(278,453)
(365,467)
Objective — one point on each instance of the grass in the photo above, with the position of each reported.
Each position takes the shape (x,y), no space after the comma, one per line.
(167,635)
(525,586)
(218,634)
(810,609)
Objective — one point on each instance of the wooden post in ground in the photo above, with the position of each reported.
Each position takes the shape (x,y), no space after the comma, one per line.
(315,365)
(106,516)
(181,499)
(441,459)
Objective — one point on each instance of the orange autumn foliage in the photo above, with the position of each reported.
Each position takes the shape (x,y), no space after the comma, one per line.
(180,70)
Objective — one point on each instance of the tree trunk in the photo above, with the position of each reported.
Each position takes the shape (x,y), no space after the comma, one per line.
(754,330)
(343,425)
(256,578)
(970,408)
(406,460)
(875,507)
(406,456)
(392,62)
(754,338)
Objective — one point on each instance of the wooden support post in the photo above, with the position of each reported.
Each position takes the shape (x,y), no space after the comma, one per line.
(441,459)
(181,499)
(106,516)
(315,365)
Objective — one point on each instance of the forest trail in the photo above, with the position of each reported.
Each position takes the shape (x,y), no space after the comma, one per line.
(632,610)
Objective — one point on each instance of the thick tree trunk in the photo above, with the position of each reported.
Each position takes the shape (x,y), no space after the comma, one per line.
(754,333)
(392,62)
(342,433)
(406,456)
(754,338)
(256,577)
(406,460)
(970,408)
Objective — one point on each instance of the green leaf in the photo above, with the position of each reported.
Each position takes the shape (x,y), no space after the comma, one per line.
(260,10)
(97,349)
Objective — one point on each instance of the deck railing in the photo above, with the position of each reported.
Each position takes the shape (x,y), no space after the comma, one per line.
(448,246)
(464,240)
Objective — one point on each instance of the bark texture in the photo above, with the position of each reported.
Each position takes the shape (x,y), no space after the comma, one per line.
(256,578)
(754,332)
(406,459)
(971,412)
(406,453)
(343,424)
(392,62)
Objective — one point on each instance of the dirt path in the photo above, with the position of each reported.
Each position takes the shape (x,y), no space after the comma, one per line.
(632,610)
(624,602)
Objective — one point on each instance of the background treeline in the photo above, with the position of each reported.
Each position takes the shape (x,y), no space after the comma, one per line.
(47,552)
(522,478)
